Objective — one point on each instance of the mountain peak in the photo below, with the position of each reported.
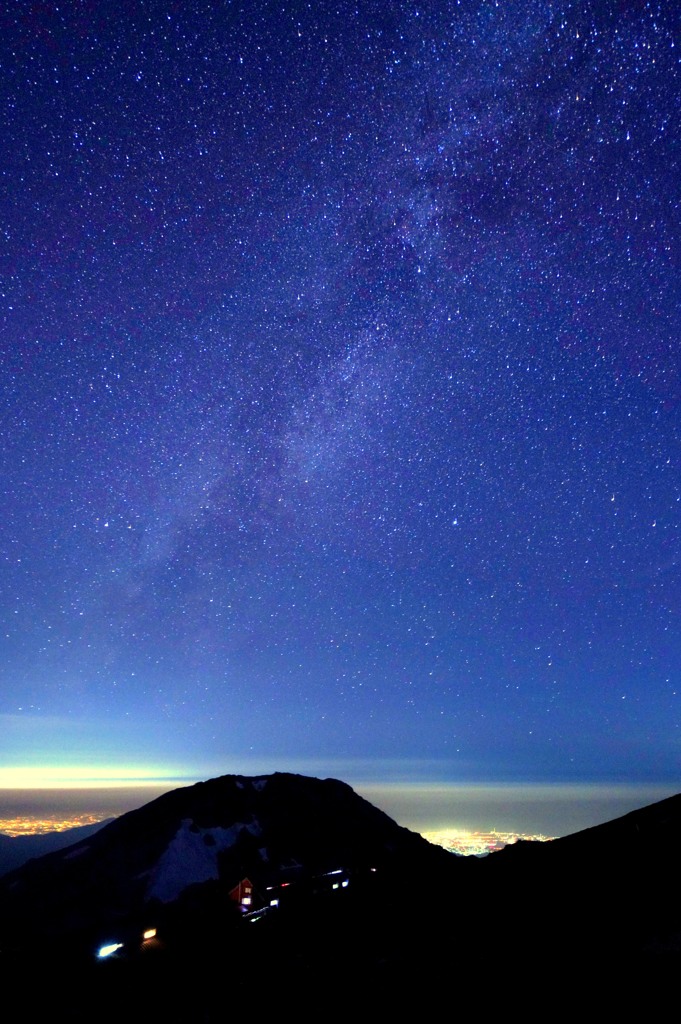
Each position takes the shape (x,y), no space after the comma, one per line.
(271,828)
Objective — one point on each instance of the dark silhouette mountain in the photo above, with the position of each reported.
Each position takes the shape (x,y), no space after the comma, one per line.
(595,912)
(194,841)
(613,888)
(16,850)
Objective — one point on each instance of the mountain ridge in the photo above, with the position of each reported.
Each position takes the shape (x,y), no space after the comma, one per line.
(334,885)
(276,822)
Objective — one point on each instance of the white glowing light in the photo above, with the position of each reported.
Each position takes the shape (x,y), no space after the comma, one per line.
(109,949)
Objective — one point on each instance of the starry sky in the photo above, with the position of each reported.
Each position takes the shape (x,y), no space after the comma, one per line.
(341,392)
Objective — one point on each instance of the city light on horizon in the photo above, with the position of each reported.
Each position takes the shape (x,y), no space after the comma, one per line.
(40,801)
(477,843)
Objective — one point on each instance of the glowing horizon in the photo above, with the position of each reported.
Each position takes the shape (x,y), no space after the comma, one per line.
(89,777)
(426,778)
(553,809)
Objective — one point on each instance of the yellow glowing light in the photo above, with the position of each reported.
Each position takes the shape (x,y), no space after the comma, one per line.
(28,825)
(475,843)
(150,933)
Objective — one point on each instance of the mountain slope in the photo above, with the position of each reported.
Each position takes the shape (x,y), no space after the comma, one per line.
(611,889)
(271,828)
(580,915)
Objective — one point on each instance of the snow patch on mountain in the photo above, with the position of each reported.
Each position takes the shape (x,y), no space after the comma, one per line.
(192,857)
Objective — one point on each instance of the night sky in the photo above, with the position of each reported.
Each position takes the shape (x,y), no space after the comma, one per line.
(341,390)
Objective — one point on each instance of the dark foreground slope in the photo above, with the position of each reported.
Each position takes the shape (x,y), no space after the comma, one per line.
(607,893)
(190,847)
(590,919)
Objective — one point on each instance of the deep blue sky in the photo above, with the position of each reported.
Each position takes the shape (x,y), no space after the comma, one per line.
(341,389)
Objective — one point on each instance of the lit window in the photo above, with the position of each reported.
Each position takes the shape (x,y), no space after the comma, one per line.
(150,933)
(274,903)
(246,901)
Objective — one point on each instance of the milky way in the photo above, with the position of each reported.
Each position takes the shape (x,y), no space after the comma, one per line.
(341,386)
